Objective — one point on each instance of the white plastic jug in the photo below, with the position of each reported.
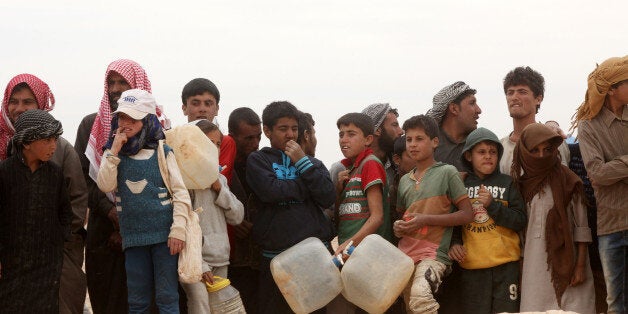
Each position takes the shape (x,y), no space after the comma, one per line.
(223,298)
(375,274)
(197,156)
(306,275)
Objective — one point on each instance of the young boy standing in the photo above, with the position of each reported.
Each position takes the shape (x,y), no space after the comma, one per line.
(490,255)
(201,99)
(35,217)
(292,188)
(429,196)
(361,206)
(361,188)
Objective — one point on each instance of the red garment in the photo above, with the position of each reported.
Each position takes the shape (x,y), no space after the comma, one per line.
(45,101)
(227,155)
(370,171)
(226,159)
(135,75)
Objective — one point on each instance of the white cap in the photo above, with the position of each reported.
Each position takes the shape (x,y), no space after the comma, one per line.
(137,104)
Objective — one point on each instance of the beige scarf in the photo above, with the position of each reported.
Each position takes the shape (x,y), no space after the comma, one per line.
(611,71)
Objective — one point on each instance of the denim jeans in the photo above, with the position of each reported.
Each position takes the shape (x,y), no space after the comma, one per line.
(150,269)
(614,256)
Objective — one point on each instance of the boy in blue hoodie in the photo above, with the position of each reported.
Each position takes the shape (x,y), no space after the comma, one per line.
(292,188)
(490,254)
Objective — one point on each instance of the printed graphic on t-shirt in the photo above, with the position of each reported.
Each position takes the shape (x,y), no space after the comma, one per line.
(285,173)
(479,213)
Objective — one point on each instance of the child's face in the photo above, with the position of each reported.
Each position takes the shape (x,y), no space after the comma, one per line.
(285,129)
(129,126)
(42,149)
(203,106)
(542,150)
(352,140)
(216,137)
(419,146)
(484,157)
(404,162)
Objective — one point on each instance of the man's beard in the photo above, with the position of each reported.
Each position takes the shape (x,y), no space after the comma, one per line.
(386,142)
(113,100)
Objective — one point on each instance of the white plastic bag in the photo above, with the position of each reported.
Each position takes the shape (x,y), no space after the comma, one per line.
(190,266)
(191,258)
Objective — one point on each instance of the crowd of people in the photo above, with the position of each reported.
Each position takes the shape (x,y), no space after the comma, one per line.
(528,222)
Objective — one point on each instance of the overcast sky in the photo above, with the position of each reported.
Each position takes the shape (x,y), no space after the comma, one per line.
(326,57)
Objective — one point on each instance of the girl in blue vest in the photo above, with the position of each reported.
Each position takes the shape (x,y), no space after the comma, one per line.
(151,207)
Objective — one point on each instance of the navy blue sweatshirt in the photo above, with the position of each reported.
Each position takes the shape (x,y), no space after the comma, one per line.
(291,196)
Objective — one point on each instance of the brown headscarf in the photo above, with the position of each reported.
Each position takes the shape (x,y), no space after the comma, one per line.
(611,71)
(537,172)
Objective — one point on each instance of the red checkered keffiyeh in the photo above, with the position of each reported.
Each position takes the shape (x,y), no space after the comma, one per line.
(45,101)
(135,75)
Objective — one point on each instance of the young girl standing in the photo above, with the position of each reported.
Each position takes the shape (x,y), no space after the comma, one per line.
(151,207)
(556,272)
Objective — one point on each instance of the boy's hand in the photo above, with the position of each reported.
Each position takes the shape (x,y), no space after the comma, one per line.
(411,223)
(556,128)
(294,151)
(578,276)
(341,248)
(175,245)
(343,176)
(216,186)
(457,253)
(484,196)
(396,229)
(119,139)
(208,277)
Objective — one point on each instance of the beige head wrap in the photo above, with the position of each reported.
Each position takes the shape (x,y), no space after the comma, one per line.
(611,71)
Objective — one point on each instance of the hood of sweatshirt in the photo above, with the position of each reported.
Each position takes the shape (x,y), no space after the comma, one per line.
(477,136)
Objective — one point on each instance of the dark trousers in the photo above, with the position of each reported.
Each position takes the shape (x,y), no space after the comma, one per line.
(73,285)
(490,290)
(270,299)
(246,280)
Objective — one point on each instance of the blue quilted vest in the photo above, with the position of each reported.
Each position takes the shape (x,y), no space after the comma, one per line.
(143,202)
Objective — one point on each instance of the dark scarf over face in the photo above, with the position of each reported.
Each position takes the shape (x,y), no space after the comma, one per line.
(564,184)
(148,137)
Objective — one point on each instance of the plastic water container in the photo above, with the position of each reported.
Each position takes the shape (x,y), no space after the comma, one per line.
(223,298)
(197,156)
(375,274)
(306,275)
